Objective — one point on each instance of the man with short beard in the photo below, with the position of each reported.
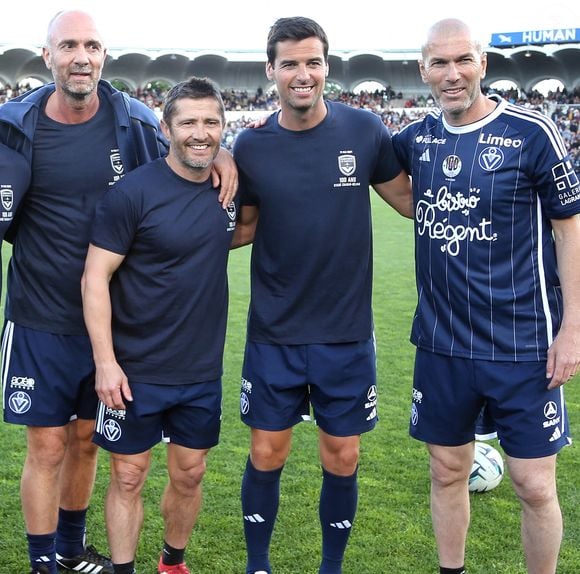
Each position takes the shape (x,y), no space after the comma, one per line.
(155,301)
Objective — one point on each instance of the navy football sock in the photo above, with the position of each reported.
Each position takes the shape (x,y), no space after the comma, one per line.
(70,533)
(338,502)
(41,551)
(260,499)
(126,568)
(171,556)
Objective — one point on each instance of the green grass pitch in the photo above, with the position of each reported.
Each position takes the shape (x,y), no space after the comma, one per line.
(392,533)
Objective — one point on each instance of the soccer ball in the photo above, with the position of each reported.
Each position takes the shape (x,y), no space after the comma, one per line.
(487,469)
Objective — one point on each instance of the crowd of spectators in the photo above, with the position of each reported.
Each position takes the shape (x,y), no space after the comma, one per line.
(395,110)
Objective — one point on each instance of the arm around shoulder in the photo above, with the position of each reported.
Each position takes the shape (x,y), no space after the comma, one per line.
(225,174)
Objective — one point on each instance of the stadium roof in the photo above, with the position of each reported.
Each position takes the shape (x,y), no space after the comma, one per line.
(523,65)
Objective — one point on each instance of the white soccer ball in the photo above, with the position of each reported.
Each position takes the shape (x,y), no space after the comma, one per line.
(487,469)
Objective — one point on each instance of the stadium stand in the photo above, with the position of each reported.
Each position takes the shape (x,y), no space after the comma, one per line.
(147,74)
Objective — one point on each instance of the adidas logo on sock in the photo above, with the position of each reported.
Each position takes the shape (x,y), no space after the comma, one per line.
(341,525)
(253,518)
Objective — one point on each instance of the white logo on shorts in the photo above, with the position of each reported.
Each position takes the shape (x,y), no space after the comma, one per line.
(246,386)
(550,410)
(417,395)
(26,383)
(19,402)
(244,404)
(372,398)
(112,430)
(116,413)
(414,414)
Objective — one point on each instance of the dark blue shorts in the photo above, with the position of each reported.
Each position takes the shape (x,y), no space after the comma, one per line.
(280,382)
(449,393)
(187,415)
(47,379)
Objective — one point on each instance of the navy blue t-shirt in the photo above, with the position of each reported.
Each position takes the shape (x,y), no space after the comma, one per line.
(73,164)
(484,196)
(169,296)
(311,268)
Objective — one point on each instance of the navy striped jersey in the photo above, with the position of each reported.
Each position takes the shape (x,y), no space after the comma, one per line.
(484,195)
(311,267)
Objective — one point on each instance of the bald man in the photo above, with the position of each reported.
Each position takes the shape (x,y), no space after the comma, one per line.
(498,318)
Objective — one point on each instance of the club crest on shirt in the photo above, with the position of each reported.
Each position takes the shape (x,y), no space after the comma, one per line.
(347,164)
(491,158)
(7,198)
(451,166)
(116,162)
(347,167)
(231,211)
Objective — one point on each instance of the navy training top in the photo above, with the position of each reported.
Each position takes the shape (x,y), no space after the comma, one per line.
(169,296)
(311,267)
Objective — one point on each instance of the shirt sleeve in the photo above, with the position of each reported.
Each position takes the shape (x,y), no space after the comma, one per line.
(555,179)
(116,221)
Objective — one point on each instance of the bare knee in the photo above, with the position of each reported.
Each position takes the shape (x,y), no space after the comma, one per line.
(339,455)
(450,466)
(187,479)
(270,450)
(534,480)
(80,438)
(128,477)
(46,447)
(535,492)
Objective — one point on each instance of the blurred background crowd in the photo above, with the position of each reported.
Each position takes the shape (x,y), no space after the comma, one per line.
(395,109)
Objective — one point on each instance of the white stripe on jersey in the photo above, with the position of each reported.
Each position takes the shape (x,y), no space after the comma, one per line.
(512,312)
(543,122)
(542,274)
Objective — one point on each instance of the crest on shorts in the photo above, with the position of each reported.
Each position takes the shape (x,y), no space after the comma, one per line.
(19,402)
(347,164)
(112,430)
(244,403)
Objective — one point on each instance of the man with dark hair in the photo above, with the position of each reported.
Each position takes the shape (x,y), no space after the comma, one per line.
(310,333)
(155,303)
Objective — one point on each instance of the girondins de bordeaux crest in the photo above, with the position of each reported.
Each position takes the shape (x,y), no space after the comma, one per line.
(347,164)
(7,198)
